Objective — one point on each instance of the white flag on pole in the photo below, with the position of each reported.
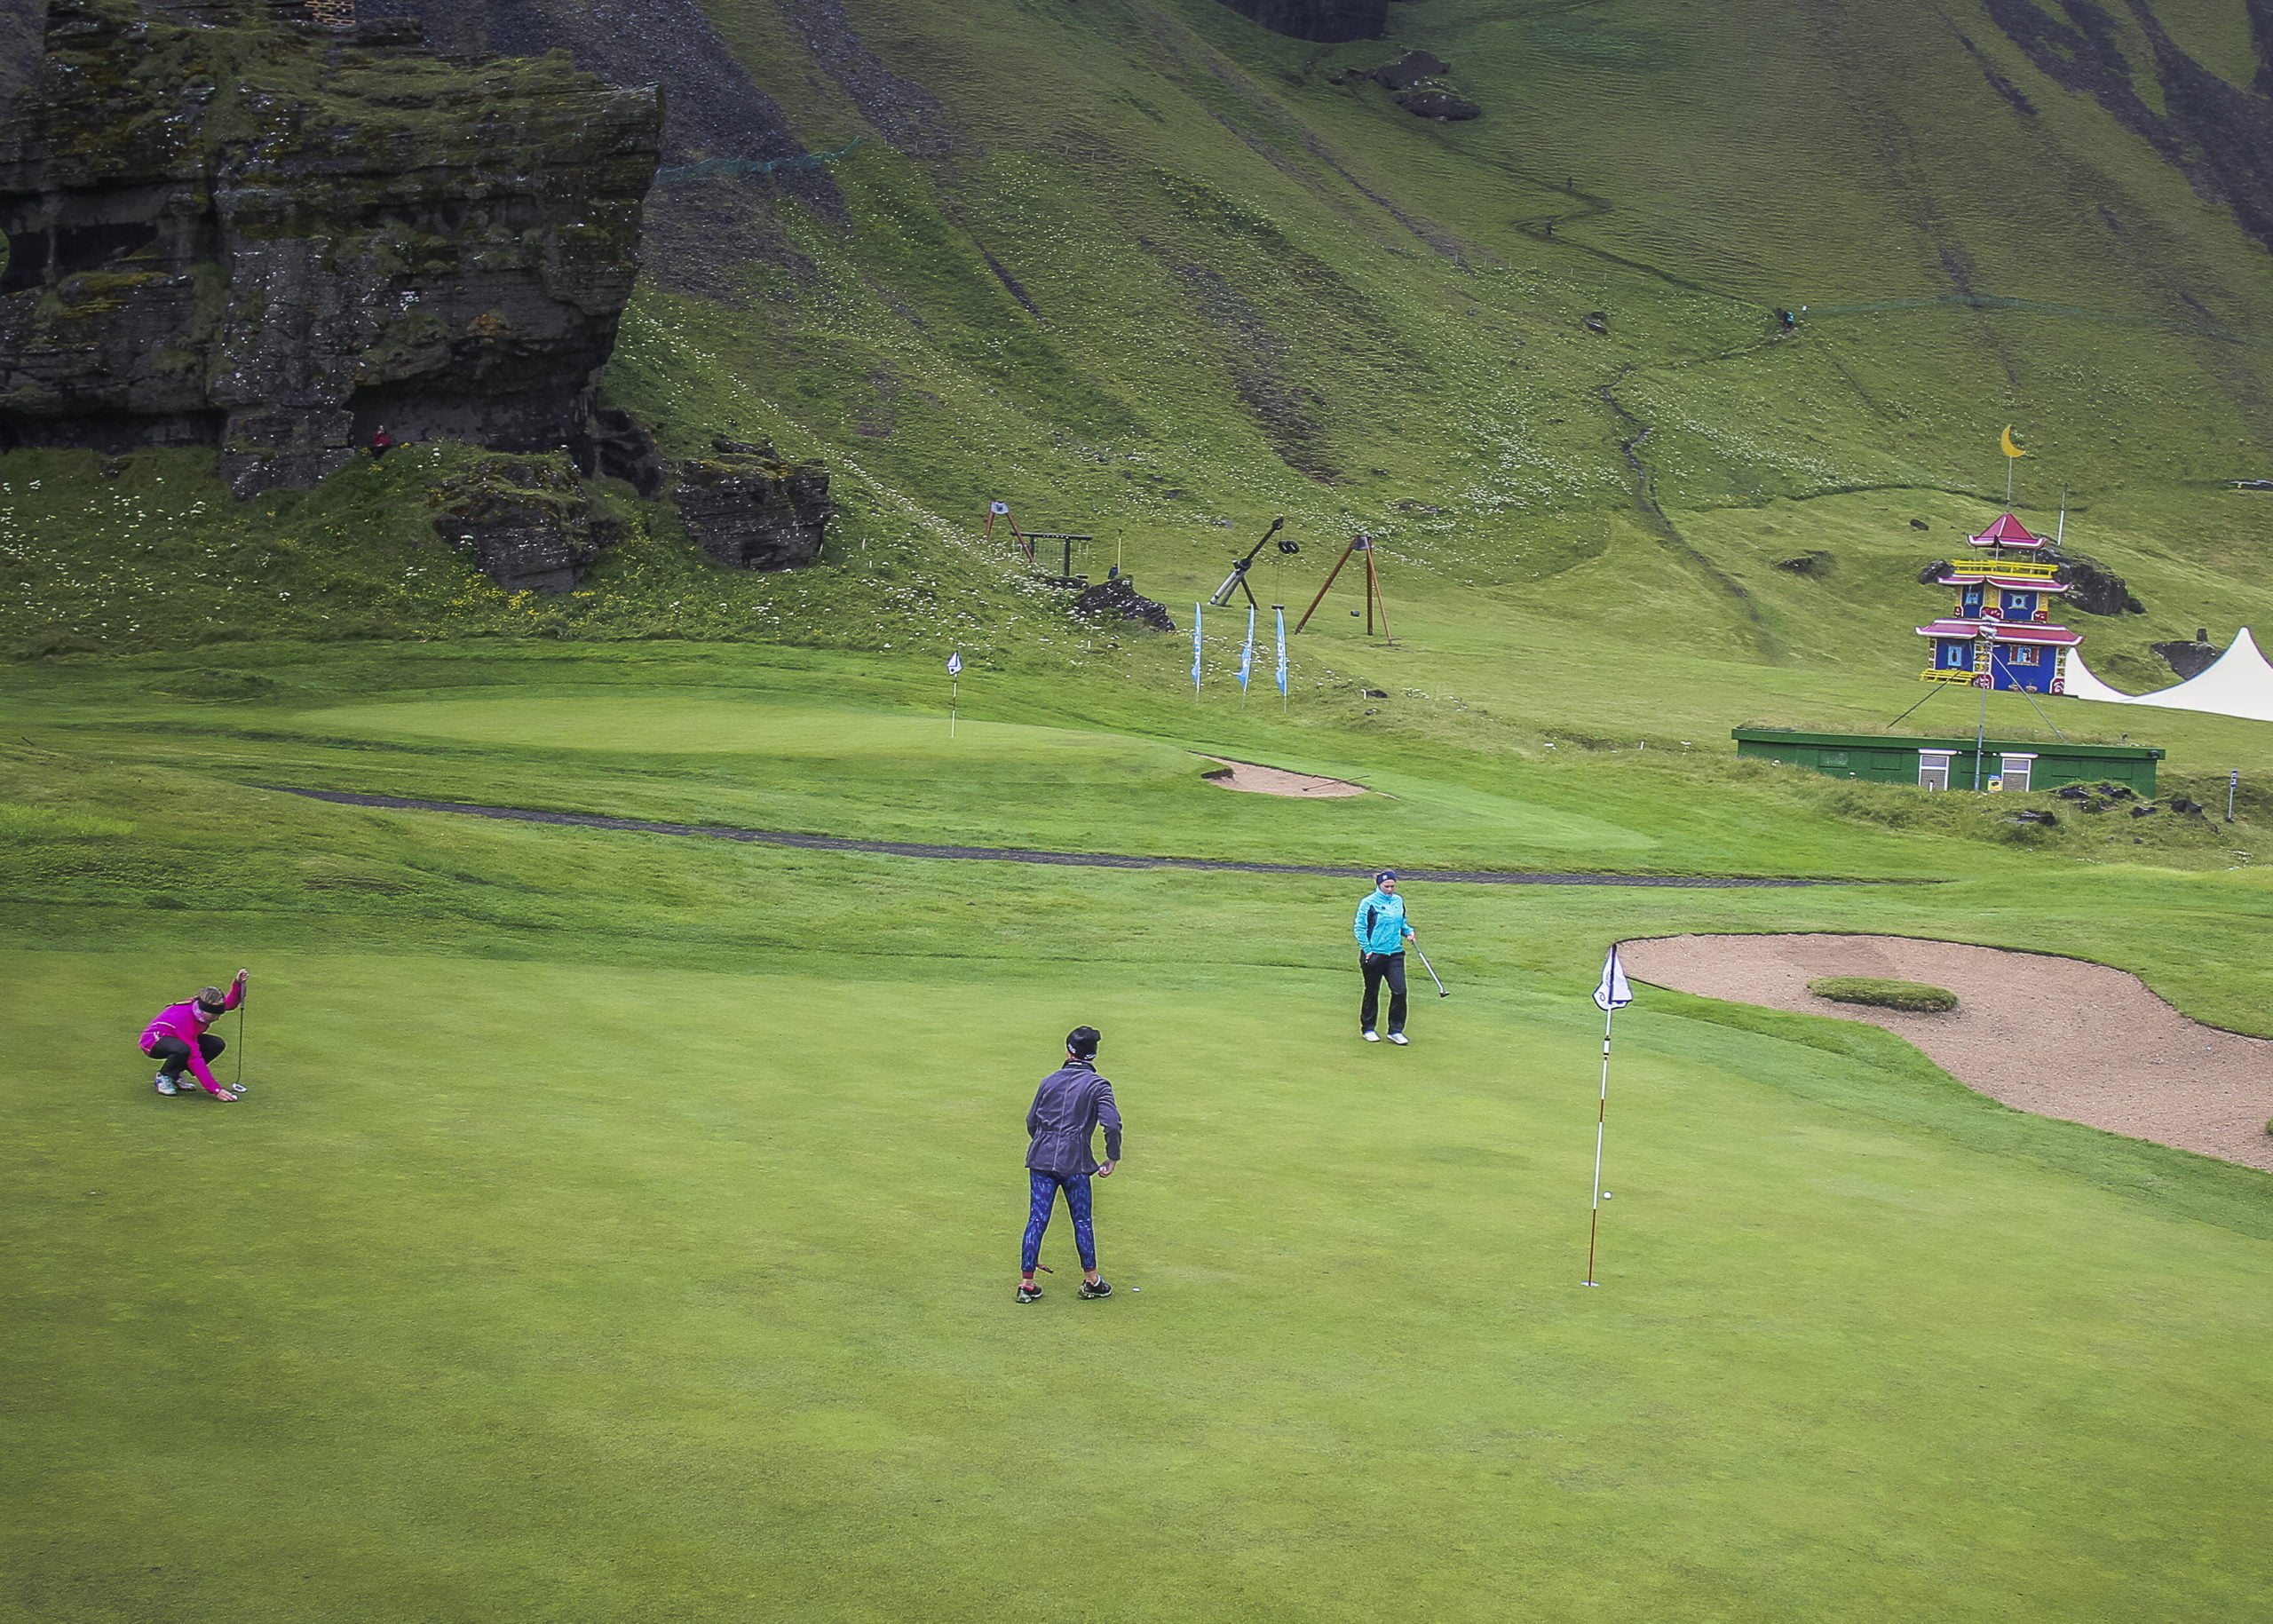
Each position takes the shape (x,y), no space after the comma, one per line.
(954,664)
(1195,648)
(1280,614)
(1613,994)
(1247,650)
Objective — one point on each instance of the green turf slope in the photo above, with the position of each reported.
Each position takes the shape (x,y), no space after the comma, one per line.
(576,1285)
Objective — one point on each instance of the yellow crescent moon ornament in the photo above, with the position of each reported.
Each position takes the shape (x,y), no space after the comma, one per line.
(2005,443)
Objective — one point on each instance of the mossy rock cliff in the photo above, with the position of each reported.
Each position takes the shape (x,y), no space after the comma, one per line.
(230,226)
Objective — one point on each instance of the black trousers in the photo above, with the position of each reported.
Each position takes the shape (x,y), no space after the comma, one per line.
(173,1054)
(1380,967)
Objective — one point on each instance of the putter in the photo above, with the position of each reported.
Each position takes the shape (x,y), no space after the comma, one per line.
(1432,969)
(238,1087)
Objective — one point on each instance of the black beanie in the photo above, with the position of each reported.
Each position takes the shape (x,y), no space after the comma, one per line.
(1082,1042)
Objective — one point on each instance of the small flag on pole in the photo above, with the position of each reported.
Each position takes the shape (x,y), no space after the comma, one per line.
(1613,994)
(954,688)
(1610,995)
(1247,653)
(954,664)
(1279,614)
(1195,648)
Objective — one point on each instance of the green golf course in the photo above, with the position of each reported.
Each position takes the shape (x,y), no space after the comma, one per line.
(623,1225)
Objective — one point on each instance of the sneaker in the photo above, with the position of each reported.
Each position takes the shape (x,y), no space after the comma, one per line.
(1028,1292)
(1372,1037)
(1102,1289)
(166,1085)
(1399,1038)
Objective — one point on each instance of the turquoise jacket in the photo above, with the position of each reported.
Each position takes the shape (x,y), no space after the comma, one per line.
(1380,923)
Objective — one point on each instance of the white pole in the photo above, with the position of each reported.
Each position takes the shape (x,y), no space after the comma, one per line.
(1602,1114)
(955,698)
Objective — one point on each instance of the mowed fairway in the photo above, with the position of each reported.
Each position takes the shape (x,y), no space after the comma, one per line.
(521,1289)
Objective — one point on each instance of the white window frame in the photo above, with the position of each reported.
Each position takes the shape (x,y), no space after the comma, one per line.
(2020,769)
(1930,762)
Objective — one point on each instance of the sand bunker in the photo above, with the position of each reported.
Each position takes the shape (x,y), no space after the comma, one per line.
(2056,1036)
(1277,780)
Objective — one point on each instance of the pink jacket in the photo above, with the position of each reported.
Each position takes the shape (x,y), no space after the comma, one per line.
(187,1022)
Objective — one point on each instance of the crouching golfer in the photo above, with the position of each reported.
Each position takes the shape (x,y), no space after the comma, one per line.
(178,1038)
(1382,935)
(1067,1110)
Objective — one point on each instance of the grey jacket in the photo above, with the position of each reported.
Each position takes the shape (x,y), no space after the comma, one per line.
(1066,1109)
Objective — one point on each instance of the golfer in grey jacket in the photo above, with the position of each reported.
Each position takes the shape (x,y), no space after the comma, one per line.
(1070,1103)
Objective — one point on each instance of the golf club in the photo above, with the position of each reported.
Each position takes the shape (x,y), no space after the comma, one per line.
(238,1087)
(1432,969)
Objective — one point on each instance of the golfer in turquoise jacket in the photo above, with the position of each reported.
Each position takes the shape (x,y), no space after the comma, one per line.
(1382,935)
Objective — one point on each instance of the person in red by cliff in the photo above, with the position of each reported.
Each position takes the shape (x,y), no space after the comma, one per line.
(178,1038)
(382,442)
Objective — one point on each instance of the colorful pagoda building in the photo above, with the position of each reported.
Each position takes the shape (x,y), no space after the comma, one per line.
(2002,635)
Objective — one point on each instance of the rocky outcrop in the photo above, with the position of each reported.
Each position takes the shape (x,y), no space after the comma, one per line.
(2093,588)
(228,226)
(1415,82)
(1327,21)
(2187,660)
(1118,599)
(748,507)
(1434,102)
(526,522)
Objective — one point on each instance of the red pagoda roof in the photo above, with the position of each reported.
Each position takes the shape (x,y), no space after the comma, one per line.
(2003,631)
(2007,532)
(2021,632)
(1966,577)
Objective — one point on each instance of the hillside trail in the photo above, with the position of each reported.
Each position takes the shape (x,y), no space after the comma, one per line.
(2059,1037)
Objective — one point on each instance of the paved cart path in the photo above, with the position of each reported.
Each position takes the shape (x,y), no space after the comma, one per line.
(2057,1036)
(1016,854)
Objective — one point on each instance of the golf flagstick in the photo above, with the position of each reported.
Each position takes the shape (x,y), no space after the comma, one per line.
(1613,995)
(1432,969)
(238,1087)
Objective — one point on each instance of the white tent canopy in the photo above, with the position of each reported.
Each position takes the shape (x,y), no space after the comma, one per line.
(2239,684)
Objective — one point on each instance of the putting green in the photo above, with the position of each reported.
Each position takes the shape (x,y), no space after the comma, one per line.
(762,725)
(593,1293)
(845,770)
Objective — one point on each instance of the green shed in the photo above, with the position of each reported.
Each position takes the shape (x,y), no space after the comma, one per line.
(1953,763)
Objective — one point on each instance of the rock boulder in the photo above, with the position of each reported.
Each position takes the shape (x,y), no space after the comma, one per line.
(750,507)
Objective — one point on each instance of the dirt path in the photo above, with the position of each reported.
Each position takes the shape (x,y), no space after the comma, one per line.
(1258,779)
(1016,854)
(2056,1036)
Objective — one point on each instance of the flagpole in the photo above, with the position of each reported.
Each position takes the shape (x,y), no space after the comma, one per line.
(955,698)
(1602,1115)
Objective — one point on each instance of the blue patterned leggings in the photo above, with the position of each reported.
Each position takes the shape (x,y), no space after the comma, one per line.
(1046,1186)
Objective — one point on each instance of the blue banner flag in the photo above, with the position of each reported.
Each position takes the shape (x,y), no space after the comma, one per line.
(1247,652)
(1280,615)
(1195,648)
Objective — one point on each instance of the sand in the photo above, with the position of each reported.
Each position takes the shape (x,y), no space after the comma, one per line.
(1277,780)
(2056,1036)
